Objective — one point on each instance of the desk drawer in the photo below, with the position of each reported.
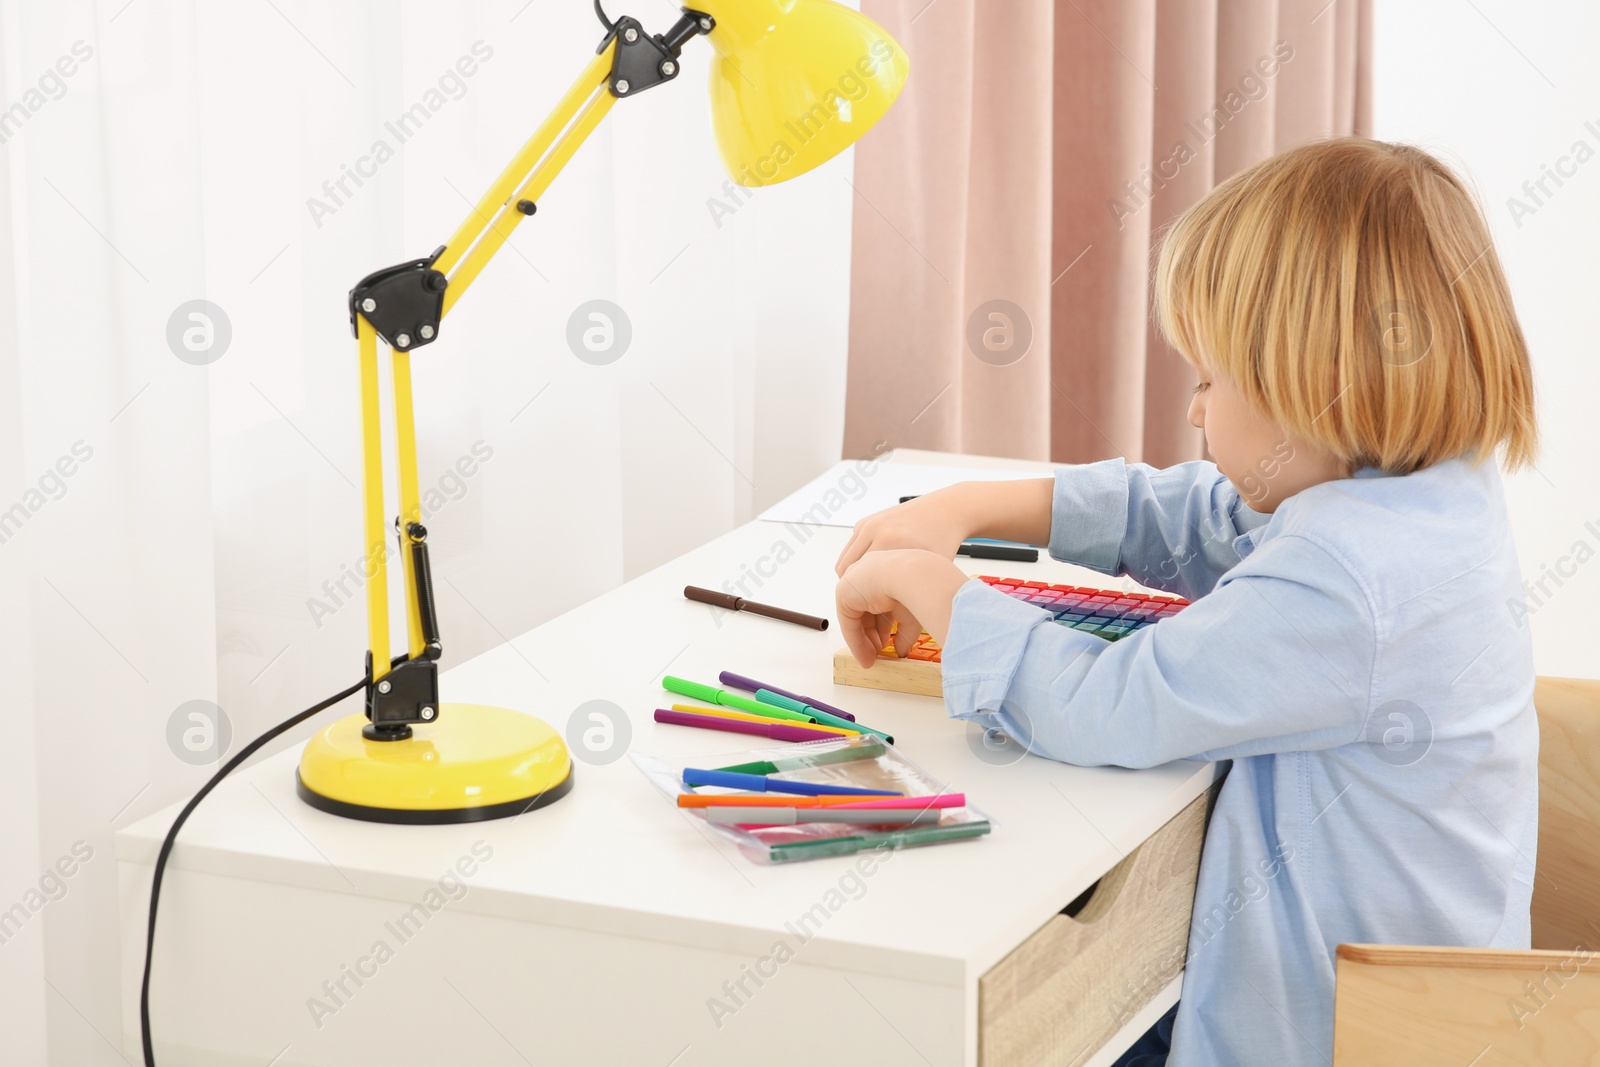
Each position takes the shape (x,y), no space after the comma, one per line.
(1065,991)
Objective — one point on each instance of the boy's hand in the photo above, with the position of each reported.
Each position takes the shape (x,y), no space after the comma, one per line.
(911,587)
(935,522)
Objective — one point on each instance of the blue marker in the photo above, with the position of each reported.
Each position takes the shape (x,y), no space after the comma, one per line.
(760,783)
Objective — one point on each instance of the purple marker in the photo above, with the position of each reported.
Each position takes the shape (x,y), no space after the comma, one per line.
(776,731)
(750,685)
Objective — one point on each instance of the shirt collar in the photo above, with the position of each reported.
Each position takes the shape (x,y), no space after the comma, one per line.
(1250,540)
(1246,542)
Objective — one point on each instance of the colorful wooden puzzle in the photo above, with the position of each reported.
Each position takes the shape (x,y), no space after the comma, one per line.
(1106,613)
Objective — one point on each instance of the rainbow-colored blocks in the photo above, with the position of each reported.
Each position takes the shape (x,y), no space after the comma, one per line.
(1105,613)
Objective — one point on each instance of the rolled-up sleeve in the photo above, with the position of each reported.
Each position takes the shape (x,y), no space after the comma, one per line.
(1172,529)
(1088,510)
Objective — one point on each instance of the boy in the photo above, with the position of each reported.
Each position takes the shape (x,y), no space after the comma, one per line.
(1349,559)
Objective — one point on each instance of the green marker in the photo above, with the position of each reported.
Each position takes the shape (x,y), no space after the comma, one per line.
(827,718)
(733,700)
(800,763)
(811,848)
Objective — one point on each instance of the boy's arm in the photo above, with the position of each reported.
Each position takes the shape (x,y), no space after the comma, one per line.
(1171,529)
(1278,658)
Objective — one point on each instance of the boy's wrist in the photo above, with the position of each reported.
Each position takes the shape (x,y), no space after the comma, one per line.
(931,590)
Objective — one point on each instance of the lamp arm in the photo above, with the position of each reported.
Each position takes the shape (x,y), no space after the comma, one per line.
(403,305)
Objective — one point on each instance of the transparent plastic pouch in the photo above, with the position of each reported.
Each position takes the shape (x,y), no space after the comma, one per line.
(862,762)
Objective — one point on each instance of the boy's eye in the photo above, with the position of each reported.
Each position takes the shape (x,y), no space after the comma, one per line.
(1202,386)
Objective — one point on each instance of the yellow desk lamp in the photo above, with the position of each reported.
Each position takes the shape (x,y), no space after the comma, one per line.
(793,83)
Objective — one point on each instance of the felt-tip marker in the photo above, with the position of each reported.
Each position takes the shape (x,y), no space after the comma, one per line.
(818,759)
(766,696)
(791,816)
(776,731)
(763,784)
(750,685)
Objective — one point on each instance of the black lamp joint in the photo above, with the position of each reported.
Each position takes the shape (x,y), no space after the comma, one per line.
(408,694)
(404,302)
(642,61)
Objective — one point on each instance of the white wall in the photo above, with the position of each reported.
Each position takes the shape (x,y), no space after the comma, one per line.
(178,163)
(1502,90)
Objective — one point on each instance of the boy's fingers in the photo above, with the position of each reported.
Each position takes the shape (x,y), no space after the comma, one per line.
(907,635)
(859,637)
(858,624)
(885,630)
(875,637)
(846,555)
(860,544)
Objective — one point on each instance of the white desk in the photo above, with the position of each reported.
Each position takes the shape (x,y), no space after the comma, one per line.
(601,927)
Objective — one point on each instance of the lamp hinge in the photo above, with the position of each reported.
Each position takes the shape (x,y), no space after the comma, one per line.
(404,302)
(642,61)
(408,693)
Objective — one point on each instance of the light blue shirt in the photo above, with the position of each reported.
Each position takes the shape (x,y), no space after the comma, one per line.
(1354,654)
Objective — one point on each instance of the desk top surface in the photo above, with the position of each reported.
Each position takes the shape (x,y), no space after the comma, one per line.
(616,856)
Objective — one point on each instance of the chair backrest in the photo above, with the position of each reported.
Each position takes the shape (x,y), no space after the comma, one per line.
(1566,887)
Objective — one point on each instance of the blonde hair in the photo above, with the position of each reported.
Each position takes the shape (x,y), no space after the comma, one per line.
(1350,289)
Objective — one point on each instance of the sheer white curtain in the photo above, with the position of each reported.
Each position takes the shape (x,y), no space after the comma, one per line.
(180,518)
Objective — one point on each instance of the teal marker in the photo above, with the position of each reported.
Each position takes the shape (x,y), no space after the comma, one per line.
(733,700)
(810,848)
(827,718)
(818,759)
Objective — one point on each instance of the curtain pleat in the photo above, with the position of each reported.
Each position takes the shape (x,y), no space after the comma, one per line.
(1105,97)
(1184,162)
(1009,207)
(970,154)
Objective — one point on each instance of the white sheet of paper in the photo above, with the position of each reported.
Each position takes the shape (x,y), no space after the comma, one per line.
(843,495)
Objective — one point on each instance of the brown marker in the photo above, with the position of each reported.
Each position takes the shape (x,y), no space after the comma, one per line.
(739,603)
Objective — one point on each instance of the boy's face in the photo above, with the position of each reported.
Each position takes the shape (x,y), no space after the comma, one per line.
(1263,462)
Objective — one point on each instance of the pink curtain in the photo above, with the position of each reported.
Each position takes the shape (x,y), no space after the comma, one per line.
(1007,209)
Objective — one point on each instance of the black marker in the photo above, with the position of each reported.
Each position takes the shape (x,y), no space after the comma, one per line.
(1010,553)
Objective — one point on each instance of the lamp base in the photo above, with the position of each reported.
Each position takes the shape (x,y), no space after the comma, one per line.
(476,762)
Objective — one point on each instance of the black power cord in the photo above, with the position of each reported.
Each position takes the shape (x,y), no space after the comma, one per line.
(172,834)
(601,12)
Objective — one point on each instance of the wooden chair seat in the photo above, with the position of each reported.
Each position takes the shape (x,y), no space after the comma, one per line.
(1415,1005)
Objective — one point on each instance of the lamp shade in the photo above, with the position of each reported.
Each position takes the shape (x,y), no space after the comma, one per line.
(795,82)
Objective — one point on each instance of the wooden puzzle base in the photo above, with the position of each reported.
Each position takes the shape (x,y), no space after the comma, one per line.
(920,677)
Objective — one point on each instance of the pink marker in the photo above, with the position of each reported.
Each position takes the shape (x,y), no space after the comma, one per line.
(943,800)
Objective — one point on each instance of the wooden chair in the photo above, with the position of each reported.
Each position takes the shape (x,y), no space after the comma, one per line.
(1415,1006)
